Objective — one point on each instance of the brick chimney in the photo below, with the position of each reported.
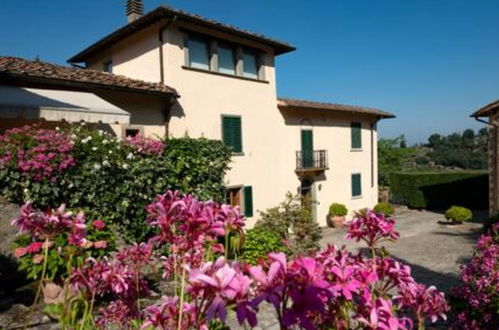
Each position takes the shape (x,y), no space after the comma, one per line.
(134,10)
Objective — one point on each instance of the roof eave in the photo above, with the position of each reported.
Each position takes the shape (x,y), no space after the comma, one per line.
(156,15)
(380,115)
(32,81)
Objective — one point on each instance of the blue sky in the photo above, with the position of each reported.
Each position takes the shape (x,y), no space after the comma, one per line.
(431,62)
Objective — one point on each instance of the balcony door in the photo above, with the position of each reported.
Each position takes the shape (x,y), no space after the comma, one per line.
(307,148)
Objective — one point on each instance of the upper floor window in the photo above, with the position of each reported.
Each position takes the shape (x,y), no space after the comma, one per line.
(199,53)
(107,66)
(226,59)
(250,64)
(356,132)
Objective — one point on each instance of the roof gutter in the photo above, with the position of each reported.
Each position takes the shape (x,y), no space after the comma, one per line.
(485,121)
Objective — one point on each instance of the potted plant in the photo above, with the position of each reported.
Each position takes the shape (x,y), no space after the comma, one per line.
(458,214)
(336,216)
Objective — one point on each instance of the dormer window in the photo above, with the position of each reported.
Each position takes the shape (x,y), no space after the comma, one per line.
(107,66)
(226,59)
(250,64)
(199,53)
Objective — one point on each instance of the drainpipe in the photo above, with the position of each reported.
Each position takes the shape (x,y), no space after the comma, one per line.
(161,55)
(166,111)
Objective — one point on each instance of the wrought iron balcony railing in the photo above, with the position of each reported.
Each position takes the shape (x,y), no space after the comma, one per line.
(313,160)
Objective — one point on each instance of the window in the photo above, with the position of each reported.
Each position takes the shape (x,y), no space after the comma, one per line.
(131,132)
(356,185)
(107,66)
(199,53)
(226,59)
(250,64)
(231,133)
(242,197)
(356,130)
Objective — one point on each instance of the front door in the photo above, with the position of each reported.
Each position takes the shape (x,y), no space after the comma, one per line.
(307,148)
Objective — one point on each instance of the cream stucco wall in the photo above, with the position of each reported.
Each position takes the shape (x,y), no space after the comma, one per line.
(270,136)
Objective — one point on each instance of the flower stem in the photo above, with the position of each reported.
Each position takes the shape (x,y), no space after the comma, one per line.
(44,270)
(181,303)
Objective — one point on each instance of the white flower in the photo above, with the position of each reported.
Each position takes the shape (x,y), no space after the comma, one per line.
(106,163)
(129,156)
(70,185)
(85,140)
(73,136)
(105,141)
(125,166)
(57,128)
(110,151)
(97,167)
(100,132)
(94,148)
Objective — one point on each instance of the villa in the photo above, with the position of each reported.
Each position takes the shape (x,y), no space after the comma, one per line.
(223,87)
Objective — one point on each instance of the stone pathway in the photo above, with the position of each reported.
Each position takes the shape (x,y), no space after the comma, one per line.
(433,248)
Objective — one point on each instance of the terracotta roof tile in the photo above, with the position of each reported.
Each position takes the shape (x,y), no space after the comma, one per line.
(23,70)
(312,105)
(487,110)
(163,12)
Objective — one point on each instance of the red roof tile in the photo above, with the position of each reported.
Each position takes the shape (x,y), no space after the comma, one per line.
(312,105)
(21,70)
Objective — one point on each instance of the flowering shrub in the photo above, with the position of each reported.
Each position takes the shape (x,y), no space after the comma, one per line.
(63,234)
(477,296)
(146,146)
(107,178)
(37,153)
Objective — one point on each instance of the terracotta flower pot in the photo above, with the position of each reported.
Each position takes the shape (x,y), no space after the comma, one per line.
(335,221)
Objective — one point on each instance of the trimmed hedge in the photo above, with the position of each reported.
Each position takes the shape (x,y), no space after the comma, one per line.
(440,190)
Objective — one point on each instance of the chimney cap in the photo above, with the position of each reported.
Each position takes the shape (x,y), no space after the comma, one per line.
(134,10)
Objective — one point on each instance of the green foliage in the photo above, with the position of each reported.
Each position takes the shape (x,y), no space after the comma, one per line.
(440,189)
(292,221)
(392,156)
(384,208)
(259,243)
(458,214)
(467,150)
(338,209)
(114,182)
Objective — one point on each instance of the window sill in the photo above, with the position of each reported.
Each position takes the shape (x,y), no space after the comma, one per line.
(238,153)
(356,150)
(357,197)
(224,74)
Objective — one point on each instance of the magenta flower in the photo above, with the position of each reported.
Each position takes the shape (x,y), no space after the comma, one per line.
(146,146)
(99,224)
(371,228)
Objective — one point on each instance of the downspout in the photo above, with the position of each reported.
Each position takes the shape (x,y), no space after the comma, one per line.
(372,150)
(161,55)
(166,110)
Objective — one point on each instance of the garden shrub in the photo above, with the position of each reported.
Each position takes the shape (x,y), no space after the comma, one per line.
(337,209)
(384,208)
(458,214)
(109,179)
(292,221)
(490,222)
(475,300)
(440,189)
(259,243)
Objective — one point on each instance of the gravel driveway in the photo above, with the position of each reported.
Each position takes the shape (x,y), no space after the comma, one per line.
(433,248)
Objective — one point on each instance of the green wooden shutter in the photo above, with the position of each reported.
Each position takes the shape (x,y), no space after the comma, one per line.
(356,135)
(248,201)
(356,185)
(231,133)
(307,148)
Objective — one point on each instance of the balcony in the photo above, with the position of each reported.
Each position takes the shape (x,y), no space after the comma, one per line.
(311,161)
